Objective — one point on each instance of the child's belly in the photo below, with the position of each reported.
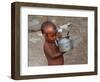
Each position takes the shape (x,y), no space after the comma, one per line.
(56,61)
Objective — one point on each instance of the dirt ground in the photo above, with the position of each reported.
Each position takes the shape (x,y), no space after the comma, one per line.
(77,55)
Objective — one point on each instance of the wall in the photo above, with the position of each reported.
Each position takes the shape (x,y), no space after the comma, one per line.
(5,40)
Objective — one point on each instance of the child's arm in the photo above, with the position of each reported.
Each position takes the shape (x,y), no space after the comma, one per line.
(48,52)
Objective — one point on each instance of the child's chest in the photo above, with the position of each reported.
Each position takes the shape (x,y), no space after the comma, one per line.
(53,47)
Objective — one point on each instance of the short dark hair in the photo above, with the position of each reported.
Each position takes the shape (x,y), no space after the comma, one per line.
(46,23)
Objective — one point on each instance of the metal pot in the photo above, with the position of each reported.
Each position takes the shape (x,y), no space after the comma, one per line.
(64,44)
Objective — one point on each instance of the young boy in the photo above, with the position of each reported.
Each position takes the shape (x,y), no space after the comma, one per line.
(51,50)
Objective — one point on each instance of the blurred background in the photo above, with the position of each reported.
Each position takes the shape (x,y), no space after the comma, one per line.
(78,34)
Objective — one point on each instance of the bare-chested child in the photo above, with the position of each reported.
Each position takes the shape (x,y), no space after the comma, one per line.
(51,50)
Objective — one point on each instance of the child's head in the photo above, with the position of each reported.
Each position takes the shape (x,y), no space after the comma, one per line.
(49,31)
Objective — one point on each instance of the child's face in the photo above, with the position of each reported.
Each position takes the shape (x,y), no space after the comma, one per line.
(50,34)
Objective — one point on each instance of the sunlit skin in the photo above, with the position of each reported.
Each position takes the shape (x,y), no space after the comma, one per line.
(51,50)
(50,34)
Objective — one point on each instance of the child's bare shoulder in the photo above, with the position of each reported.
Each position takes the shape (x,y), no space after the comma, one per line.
(47,49)
(46,45)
